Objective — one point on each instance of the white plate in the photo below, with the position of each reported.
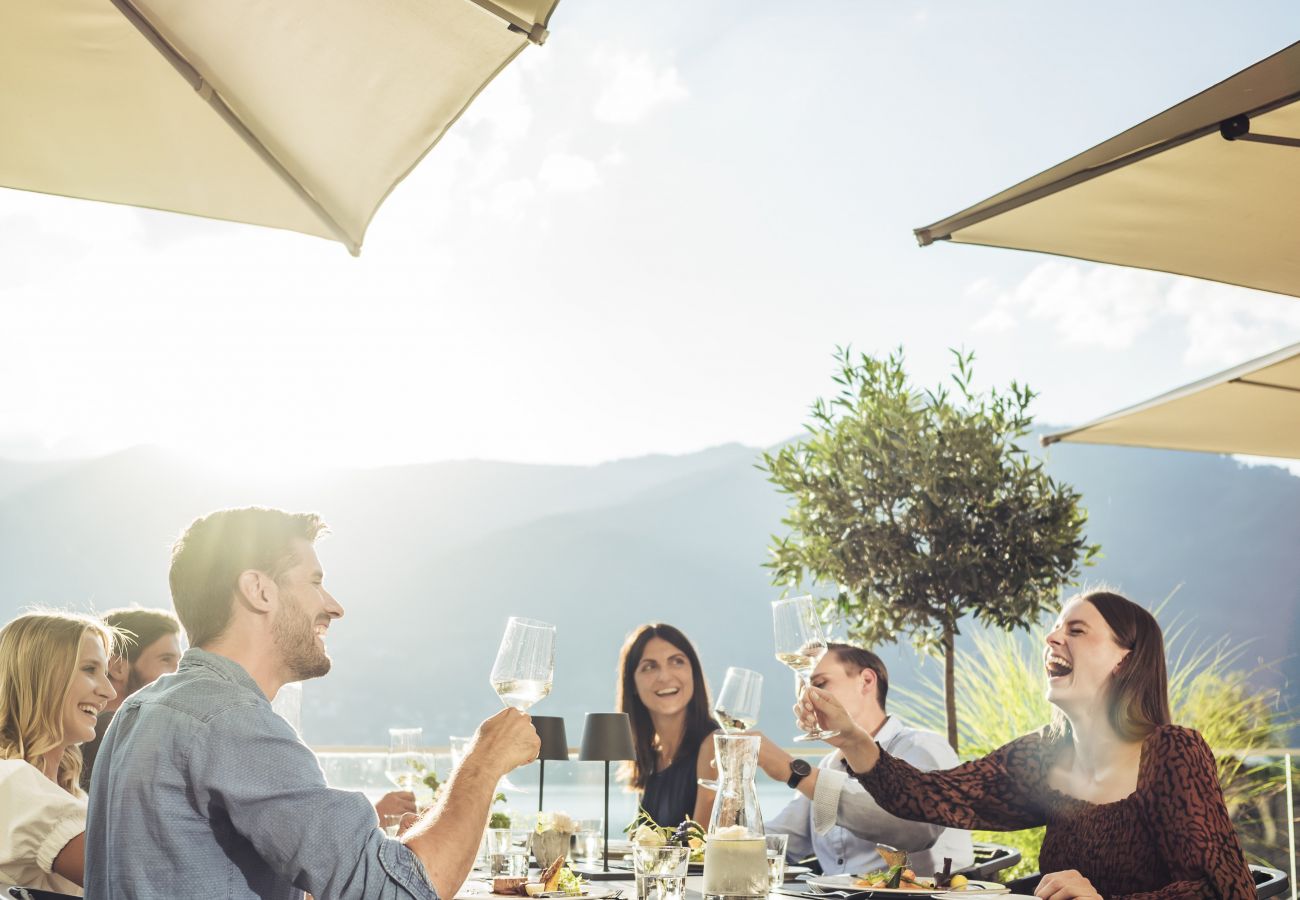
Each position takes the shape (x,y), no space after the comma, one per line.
(847,883)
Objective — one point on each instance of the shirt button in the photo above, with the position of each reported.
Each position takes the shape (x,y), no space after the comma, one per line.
(840,861)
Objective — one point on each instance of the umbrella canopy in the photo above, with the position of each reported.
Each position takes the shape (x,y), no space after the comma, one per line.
(1208,188)
(1252,409)
(297,114)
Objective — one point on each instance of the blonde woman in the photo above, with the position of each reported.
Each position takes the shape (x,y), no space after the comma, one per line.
(53,685)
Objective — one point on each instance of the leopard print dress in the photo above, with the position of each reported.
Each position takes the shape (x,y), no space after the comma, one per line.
(1171,838)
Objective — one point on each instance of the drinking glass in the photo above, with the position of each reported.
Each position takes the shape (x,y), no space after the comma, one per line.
(506,855)
(776,847)
(737,706)
(800,643)
(661,870)
(525,663)
(586,840)
(405,764)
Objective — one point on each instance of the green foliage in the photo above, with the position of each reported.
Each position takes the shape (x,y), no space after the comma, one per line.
(920,507)
(1000,696)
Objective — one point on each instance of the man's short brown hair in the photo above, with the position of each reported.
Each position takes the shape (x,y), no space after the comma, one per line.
(855,659)
(138,627)
(216,549)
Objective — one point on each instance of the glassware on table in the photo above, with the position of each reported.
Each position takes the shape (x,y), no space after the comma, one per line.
(406,765)
(800,644)
(737,706)
(776,847)
(661,872)
(507,855)
(586,840)
(525,663)
(735,854)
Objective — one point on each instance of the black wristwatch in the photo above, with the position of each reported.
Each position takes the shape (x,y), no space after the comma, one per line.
(799,770)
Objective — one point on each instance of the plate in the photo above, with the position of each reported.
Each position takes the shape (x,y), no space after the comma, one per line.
(483,889)
(847,883)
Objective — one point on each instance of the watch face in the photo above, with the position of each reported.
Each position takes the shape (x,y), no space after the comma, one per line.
(800,767)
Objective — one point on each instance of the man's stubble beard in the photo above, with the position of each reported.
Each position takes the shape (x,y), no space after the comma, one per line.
(295,638)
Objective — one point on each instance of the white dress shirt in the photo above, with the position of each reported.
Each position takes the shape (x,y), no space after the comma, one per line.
(842,823)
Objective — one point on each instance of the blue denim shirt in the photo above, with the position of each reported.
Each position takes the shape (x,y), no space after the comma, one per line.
(201,790)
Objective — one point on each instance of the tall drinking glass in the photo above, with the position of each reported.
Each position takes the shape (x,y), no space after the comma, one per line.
(737,706)
(405,764)
(525,663)
(800,644)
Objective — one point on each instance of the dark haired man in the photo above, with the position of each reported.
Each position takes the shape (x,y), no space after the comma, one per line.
(203,791)
(832,815)
(149,647)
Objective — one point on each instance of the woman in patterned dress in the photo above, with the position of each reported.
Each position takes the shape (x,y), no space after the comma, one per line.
(1131,802)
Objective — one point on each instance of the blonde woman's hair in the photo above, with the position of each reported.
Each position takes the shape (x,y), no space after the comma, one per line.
(38,657)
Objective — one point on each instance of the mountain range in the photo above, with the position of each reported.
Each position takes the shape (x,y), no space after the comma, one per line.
(429,560)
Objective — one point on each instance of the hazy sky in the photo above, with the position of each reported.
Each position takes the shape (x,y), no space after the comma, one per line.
(647,235)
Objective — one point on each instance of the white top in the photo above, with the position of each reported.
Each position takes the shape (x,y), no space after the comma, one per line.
(843,823)
(37,819)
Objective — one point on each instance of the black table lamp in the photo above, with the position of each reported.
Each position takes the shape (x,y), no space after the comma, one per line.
(607,737)
(555,745)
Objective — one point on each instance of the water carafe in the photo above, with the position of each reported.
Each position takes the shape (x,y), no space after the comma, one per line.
(735,856)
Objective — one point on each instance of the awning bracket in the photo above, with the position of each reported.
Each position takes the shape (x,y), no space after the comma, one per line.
(1238,129)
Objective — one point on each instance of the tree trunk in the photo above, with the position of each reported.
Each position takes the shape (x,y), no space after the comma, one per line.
(950,683)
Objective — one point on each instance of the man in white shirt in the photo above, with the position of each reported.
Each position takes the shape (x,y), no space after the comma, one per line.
(832,815)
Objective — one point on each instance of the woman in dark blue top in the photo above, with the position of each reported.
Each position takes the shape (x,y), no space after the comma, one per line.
(661,688)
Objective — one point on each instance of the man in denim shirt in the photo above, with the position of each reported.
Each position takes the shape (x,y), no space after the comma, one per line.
(201,790)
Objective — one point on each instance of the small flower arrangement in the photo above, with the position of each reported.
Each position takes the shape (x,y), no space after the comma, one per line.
(646,832)
(550,841)
(557,821)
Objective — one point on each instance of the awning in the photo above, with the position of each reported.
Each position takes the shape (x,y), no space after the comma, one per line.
(1252,409)
(1209,188)
(297,114)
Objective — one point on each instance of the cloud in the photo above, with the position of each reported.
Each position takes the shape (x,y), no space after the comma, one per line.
(634,86)
(567,172)
(1113,308)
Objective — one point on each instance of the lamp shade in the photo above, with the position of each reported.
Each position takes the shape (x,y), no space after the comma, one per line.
(607,736)
(555,744)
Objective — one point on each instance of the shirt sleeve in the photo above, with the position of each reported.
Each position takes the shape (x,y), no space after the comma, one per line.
(995,792)
(1186,813)
(39,816)
(841,800)
(269,786)
(793,821)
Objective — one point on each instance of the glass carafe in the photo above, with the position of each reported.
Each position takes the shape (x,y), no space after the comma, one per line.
(735,857)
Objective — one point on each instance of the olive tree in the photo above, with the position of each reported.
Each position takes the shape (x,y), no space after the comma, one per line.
(919,507)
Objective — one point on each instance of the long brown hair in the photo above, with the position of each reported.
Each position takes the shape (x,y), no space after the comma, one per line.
(699,722)
(1138,691)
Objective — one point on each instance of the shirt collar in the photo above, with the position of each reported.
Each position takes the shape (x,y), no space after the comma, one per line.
(890,730)
(223,666)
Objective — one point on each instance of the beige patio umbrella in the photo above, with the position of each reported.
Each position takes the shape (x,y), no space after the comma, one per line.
(297,114)
(1252,409)
(1209,188)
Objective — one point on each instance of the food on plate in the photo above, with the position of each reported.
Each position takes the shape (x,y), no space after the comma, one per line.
(903,878)
(891,856)
(555,878)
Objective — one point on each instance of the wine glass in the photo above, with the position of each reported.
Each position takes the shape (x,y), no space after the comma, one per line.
(405,764)
(737,706)
(525,663)
(800,643)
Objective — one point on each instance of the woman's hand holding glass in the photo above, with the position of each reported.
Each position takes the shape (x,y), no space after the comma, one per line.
(820,710)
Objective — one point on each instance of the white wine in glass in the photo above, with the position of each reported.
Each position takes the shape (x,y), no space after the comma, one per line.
(737,706)
(525,663)
(405,763)
(800,643)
